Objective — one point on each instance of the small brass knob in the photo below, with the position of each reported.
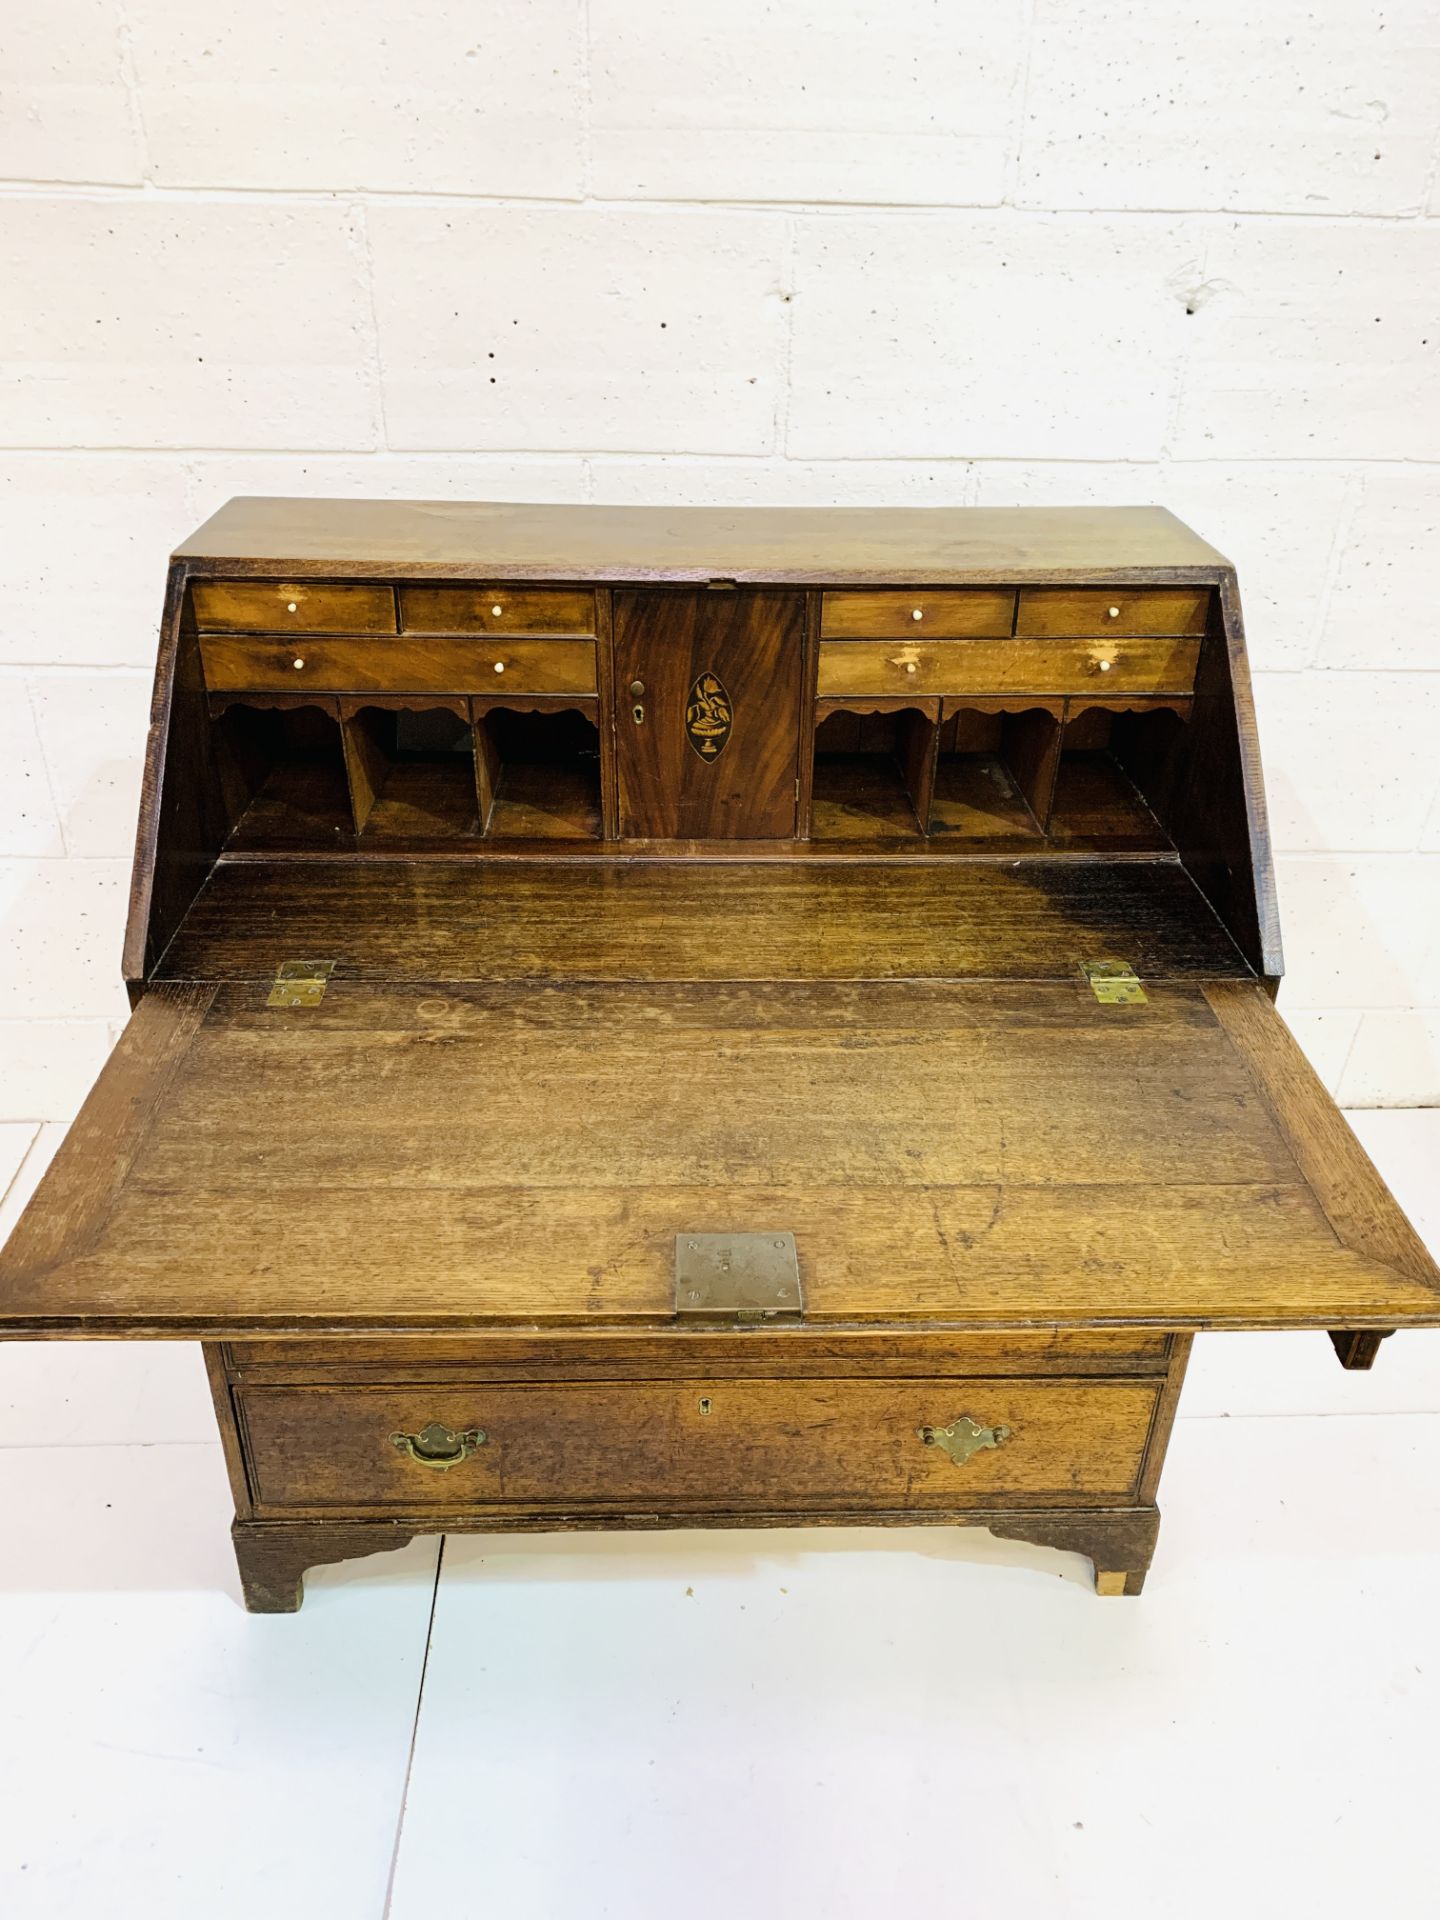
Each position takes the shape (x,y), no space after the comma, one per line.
(496,612)
(917,614)
(910,666)
(637,687)
(298,664)
(1104,665)
(1114,612)
(499,666)
(292,606)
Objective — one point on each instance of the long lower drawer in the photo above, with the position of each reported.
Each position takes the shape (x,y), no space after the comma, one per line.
(696,1445)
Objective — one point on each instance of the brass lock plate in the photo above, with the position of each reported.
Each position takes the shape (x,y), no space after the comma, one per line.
(1113,983)
(300,983)
(737,1276)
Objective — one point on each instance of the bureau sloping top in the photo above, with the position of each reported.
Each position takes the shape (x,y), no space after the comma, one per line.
(454,539)
(492,1117)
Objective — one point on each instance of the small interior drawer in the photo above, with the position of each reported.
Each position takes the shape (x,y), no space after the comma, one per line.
(946,614)
(701,1445)
(1013,666)
(496,610)
(401,666)
(1103,610)
(230,606)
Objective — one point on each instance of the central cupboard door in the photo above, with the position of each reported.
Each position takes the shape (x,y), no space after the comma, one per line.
(707,713)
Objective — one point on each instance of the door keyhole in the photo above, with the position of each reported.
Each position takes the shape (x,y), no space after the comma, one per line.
(637,714)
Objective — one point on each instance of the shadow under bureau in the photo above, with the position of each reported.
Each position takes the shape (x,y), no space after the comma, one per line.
(688,1018)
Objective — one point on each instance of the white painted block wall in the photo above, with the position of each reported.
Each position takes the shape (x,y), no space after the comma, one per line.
(1030,251)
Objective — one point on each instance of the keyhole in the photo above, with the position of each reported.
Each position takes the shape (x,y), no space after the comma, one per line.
(705,1406)
(637,713)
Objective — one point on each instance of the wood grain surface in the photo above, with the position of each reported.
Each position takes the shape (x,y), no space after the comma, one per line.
(1097,610)
(499,609)
(1006,666)
(768,1352)
(667,643)
(472,540)
(402,665)
(603,920)
(1045,1161)
(226,606)
(917,615)
(696,1443)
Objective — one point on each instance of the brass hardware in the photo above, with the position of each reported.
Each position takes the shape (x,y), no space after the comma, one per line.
(637,687)
(962,1437)
(910,666)
(499,666)
(705,1403)
(737,1276)
(298,664)
(438,1445)
(708,717)
(1103,666)
(496,612)
(300,983)
(917,614)
(1114,612)
(1113,983)
(292,606)
(637,714)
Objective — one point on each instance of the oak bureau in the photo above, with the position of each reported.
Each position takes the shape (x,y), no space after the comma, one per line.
(689,1018)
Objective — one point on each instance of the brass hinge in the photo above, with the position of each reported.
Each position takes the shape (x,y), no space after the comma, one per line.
(1114,983)
(300,983)
(737,1276)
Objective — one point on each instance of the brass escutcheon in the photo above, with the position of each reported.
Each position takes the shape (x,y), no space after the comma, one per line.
(438,1445)
(962,1437)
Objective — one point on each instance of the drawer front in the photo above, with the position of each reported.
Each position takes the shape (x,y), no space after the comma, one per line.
(496,610)
(700,1445)
(1010,666)
(947,615)
(401,666)
(228,606)
(611,1355)
(1053,610)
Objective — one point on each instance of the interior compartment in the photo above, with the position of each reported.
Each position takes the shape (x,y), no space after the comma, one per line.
(872,772)
(1119,773)
(538,773)
(412,771)
(281,770)
(996,771)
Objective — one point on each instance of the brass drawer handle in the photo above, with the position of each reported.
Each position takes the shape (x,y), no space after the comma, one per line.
(962,1438)
(438,1445)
